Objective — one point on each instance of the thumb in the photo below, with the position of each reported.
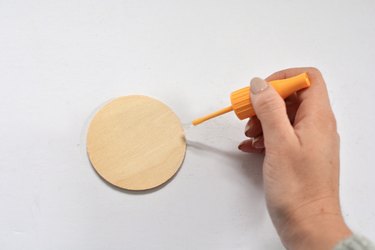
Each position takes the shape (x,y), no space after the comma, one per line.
(270,110)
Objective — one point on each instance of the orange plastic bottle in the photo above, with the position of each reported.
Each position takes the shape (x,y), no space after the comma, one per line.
(241,101)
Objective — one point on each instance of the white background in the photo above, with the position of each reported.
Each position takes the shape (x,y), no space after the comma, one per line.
(60,60)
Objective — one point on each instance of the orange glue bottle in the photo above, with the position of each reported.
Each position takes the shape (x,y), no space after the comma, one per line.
(241,101)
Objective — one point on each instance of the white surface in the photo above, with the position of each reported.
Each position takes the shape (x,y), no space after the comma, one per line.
(59,60)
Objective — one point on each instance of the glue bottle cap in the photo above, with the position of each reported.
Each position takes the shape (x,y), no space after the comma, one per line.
(241,100)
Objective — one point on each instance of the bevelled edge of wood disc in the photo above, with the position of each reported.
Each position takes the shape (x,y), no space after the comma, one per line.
(136,142)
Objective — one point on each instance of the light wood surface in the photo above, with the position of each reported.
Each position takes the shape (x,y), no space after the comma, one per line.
(136,142)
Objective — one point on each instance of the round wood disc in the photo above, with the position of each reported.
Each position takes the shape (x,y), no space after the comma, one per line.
(136,142)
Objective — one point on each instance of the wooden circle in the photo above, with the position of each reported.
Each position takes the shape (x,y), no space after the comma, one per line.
(136,142)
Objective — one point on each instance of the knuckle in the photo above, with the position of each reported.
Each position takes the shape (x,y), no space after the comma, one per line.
(314,71)
(331,124)
(326,119)
(338,139)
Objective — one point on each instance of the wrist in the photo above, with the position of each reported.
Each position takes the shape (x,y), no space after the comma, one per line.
(318,233)
(317,225)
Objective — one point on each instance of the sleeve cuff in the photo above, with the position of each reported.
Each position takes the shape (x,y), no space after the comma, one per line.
(355,242)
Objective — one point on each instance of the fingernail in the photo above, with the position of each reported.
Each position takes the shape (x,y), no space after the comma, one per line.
(258,143)
(247,128)
(258,85)
(240,146)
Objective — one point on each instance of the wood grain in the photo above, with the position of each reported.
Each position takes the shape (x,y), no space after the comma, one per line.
(136,142)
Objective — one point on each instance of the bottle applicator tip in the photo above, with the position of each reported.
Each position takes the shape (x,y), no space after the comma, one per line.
(212,115)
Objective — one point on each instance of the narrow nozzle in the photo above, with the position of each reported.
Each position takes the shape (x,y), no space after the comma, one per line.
(212,115)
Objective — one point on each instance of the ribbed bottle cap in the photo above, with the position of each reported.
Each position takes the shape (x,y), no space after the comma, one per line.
(241,103)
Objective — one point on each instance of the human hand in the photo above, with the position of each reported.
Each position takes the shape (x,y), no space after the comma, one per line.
(301,165)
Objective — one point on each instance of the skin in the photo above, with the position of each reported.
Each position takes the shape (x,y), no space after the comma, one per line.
(301,166)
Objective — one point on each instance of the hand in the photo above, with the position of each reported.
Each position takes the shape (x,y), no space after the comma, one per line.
(301,165)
